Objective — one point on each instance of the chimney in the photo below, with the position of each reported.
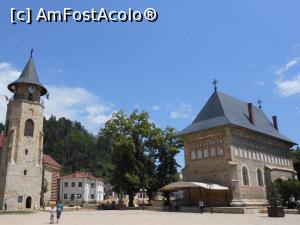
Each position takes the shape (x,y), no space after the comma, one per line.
(250,113)
(275,124)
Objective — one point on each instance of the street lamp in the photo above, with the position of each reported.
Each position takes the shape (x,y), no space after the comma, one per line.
(143,191)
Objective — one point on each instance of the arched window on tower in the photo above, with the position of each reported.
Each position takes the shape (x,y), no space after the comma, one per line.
(29,126)
(260,178)
(245,176)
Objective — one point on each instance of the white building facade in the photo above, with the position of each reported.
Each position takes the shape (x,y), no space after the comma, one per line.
(80,187)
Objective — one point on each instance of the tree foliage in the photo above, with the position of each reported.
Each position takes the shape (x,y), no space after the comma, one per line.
(2,128)
(296,160)
(141,155)
(286,188)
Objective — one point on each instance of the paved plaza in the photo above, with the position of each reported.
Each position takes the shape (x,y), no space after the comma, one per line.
(138,217)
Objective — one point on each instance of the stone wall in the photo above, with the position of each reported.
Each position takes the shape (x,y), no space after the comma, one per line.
(21,159)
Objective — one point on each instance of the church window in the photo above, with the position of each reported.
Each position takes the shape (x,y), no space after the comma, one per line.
(193,155)
(205,153)
(260,178)
(199,154)
(245,176)
(220,151)
(29,126)
(26,152)
(25,172)
(213,152)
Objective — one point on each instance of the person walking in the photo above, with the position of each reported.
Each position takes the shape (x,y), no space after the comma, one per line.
(52,214)
(59,210)
(5,204)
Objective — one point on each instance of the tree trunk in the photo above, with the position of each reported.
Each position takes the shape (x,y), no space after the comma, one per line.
(131,197)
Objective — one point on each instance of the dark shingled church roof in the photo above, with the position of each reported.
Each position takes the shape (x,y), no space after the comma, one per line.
(222,109)
(28,76)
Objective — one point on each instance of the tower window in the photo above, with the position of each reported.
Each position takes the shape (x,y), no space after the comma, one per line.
(20,199)
(245,176)
(29,126)
(25,172)
(26,152)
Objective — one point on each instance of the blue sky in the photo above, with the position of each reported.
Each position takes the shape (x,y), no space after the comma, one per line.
(166,67)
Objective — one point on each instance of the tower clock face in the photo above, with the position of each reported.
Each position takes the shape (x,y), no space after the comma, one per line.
(31,89)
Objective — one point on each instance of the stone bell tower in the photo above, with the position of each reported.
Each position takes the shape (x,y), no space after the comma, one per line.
(21,155)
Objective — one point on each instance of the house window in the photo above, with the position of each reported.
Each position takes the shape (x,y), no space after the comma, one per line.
(92,196)
(79,196)
(66,184)
(193,155)
(213,152)
(29,126)
(205,153)
(73,184)
(260,178)
(20,199)
(26,152)
(72,196)
(245,176)
(65,196)
(199,154)
(220,151)
(79,184)
(25,172)
(92,185)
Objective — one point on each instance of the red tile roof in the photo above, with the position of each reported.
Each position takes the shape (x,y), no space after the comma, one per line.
(1,141)
(48,160)
(80,175)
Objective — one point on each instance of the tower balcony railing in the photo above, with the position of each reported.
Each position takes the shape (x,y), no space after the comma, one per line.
(27,98)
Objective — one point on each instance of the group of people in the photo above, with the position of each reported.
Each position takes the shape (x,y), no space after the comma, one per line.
(56,211)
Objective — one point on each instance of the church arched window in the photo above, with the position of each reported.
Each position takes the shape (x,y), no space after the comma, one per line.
(245,176)
(29,126)
(260,178)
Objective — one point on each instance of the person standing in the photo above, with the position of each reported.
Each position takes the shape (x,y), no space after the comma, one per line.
(52,214)
(59,210)
(5,204)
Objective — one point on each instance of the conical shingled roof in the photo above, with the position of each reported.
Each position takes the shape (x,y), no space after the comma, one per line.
(222,109)
(29,76)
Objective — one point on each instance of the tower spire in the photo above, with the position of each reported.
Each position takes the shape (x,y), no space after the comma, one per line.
(31,52)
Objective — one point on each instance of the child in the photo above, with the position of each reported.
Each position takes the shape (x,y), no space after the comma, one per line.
(52,214)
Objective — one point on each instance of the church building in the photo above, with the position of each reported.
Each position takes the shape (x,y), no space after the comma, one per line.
(21,156)
(232,143)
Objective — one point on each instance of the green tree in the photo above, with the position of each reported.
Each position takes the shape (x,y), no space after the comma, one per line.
(141,155)
(286,188)
(296,160)
(2,128)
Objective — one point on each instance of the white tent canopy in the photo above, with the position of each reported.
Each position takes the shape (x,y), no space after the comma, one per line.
(184,185)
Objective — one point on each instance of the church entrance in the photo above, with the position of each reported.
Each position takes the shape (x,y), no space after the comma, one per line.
(28,202)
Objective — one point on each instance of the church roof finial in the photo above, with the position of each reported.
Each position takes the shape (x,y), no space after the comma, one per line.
(215,84)
(259,102)
(31,52)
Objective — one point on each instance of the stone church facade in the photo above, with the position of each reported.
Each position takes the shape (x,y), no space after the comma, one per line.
(232,143)
(21,156)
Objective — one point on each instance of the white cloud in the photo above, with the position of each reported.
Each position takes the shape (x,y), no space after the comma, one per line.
(287,66)
(288,86)
(7,75)
(182,111)
(155,108)
(75,103)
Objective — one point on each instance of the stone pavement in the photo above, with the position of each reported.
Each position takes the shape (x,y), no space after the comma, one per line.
(139,217)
